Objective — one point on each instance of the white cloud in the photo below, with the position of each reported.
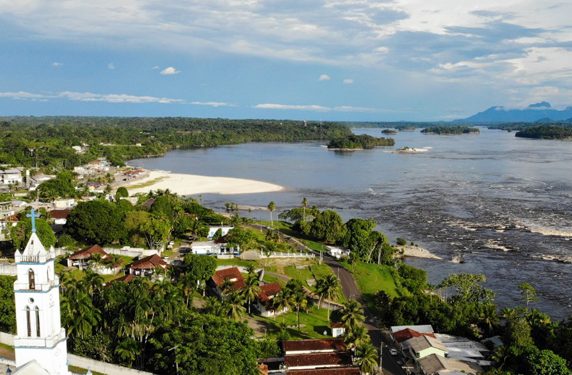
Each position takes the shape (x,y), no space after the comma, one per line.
(169,71)
(214,104)
(348,81)
(313,108)
(155,67)
(115,98)
(56,64)
(324,77)
(24,95)
(111,66)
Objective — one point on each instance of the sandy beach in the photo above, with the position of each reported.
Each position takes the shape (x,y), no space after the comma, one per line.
(188,184)
(417,252)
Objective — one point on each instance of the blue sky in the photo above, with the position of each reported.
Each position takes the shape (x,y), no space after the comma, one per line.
(299,59)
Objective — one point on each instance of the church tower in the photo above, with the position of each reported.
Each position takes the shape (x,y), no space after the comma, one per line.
(40,336)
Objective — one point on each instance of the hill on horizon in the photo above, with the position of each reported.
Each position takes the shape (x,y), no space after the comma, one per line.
(538,112)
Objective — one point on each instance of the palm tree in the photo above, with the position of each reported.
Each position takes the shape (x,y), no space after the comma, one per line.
(351,314)
(300,303)
(282,301)
(357,337)
(235,306)
(304,206)
(251,289)
(367,359)
(271,208)
(327,288)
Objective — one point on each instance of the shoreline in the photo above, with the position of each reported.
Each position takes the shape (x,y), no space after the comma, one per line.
(190,184)
(416,251)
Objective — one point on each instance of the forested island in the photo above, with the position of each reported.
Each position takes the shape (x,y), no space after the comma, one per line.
(450,130)
(48,142)
(389,131)
(359,142)
(546,132)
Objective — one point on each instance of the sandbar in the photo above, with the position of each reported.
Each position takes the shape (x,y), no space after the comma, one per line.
(190,184)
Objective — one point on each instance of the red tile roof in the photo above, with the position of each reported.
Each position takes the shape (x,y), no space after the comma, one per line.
(314,345)
(408,333)
(267,291)
(88,252)
(327,371)
(318,359)
(149,263)
(126,279)
(60,214)
(233,274)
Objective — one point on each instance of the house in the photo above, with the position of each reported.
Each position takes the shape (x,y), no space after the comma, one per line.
(463,349)
(337,252)
(96,187)
(11,176)
(408,333)
(265,299)
(60,217)
(64,203)
(423,346)
(223,231)
(81,259)
(338,329)
(8,222)
(148,266)
(220,248)
(318,356)
(436,365)
(230,276)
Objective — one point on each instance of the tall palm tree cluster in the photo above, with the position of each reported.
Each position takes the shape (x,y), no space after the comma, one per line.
(356,337)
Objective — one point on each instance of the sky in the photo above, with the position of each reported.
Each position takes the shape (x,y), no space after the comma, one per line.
(361,60)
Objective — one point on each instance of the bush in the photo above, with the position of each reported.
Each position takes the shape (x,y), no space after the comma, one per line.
(401,241)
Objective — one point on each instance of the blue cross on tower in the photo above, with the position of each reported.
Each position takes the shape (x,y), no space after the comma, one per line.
(33,215)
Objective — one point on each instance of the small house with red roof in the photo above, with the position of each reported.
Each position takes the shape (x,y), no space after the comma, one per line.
(60,217)
(95,258)
(264,304)
(148,266)
(226,277)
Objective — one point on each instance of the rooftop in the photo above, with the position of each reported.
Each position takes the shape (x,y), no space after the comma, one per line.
(232,274)
(88,252)
(60,214)
(268,291)
(148,263)
(408,333)
(314,345)
(327,371)
(421,343)
(433,364)
(427,328)
(318,359)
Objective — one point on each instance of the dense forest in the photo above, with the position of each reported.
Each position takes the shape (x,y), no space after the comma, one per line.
(46,142)
(546,132)
(356,142)
(450,130)
(517,126)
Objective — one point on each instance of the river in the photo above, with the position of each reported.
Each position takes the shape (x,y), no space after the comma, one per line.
(502,202)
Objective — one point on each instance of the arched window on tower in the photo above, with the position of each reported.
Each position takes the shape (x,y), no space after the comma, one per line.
(37,321)
(28,321)
(31,279)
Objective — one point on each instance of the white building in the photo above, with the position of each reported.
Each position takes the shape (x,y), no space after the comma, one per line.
(11,177)
(337,252)
(224,231)
(40,337)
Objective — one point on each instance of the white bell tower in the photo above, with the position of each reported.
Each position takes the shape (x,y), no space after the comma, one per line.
(40,336)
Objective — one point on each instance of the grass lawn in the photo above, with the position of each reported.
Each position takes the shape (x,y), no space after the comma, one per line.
(316,246)
(372,278)
(236,262)
(313,323)
(79,370)
(6,347)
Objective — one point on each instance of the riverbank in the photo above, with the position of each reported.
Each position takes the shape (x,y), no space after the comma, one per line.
(189,184)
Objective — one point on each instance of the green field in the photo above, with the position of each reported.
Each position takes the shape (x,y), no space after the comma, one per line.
(372,278)
(312,324)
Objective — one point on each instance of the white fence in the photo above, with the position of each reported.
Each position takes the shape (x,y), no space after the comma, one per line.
(132,252)
(275,254)
(77,361)
(8,269)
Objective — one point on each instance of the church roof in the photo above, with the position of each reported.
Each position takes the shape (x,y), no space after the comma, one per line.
(31,368)
(34,247)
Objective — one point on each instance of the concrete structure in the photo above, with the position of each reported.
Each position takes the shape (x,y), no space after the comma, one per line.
(217,248)
(40,336)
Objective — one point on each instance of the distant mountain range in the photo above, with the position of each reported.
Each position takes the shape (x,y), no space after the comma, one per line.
(539,112)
